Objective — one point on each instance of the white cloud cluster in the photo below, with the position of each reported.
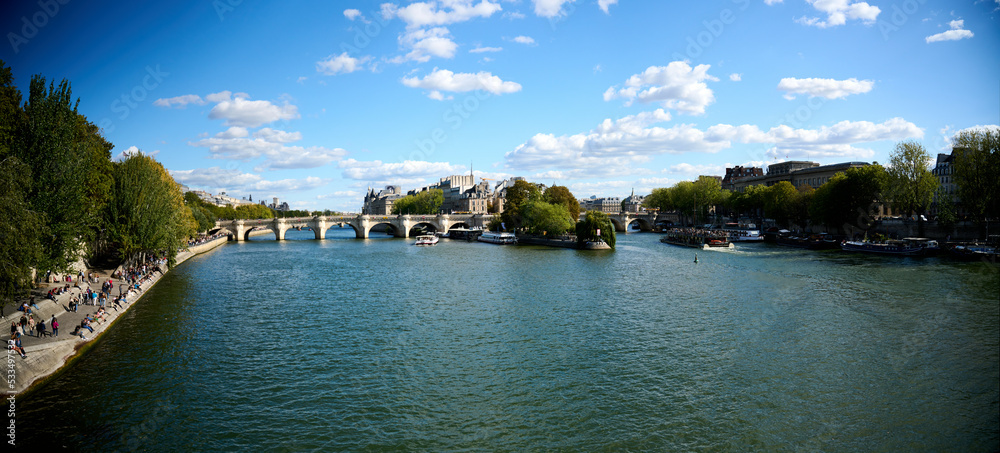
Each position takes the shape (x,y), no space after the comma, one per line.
(237,109)
(444,80)
(179,101)
(736,77)
(217,179)
(237,143)
(432,13)
(676,86)
(838,12)
(352,14)
(604,4)
(527,40)
(954,34)
(825,88)
(614,147)
(426,43)
(340,64)
(397,172)
(425,35)
(550,8)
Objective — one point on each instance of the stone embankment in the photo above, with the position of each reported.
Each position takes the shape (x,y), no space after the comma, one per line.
(47,355)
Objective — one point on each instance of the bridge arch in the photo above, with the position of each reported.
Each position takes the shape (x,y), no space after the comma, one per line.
(434,227)
(391,229)
(643,223)
(246,233)
(619,225)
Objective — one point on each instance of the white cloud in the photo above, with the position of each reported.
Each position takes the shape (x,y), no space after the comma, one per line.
(424,44)
(486,49)
(772,2)
(236,143)
(735,77)
(179,101)
(825,88)
(676,86)
(217,179)
(615,147)
(550,8)
(239,111)
(422,14)
(956,33)
(340,64)
(524,40)
(410,170)
(604,4)
(839,11)
(689,169)
(352,14)
(445,80)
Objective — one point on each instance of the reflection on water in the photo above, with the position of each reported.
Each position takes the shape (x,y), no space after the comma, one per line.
(345,344)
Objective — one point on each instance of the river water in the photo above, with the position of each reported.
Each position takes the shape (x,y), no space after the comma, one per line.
(377,345)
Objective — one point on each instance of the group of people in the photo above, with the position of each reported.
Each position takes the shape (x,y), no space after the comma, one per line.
(28,326)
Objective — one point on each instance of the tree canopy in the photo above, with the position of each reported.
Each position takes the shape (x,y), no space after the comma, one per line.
(911,184)
(595,225)
(976,170)
(545,218)
(560,195)
(426,202)
(517,195)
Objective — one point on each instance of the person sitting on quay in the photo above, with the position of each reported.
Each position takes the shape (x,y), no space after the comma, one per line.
(15,344)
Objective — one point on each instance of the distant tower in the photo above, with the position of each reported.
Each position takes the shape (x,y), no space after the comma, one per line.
(251,197)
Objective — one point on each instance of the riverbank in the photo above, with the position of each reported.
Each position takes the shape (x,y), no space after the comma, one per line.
(48,355)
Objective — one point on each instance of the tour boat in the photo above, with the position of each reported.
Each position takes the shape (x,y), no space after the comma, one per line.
(426,239)
(498,238)
(739,234)
(892,248)
(701,241)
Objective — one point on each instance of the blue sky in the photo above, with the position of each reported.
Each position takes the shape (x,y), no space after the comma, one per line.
(314,102)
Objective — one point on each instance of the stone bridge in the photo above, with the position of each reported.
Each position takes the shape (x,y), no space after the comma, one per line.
(645,220)
(399,226)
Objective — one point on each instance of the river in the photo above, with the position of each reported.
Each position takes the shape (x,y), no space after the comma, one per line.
(377,345)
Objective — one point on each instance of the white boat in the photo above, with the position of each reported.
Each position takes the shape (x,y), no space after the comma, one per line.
(426,239)
(743,232)
(498,238)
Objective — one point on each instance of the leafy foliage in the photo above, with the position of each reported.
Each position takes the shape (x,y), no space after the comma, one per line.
(847,199)
(517,195)
(546,218)
(426,202)
(560,195)
(976,170)
(595,222)
(20,228)
(147,214)
(911,184)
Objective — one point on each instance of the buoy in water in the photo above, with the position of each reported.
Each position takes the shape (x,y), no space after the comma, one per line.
(696,258)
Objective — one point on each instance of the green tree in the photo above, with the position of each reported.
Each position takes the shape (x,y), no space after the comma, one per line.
(517,195)
(546,218)
(848,200)
(911,184)
(560,195)
(595,225)
(779,202)
(49,142)
(976,169)
(146,214)
(660,199)
(21,246)
(427,202)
